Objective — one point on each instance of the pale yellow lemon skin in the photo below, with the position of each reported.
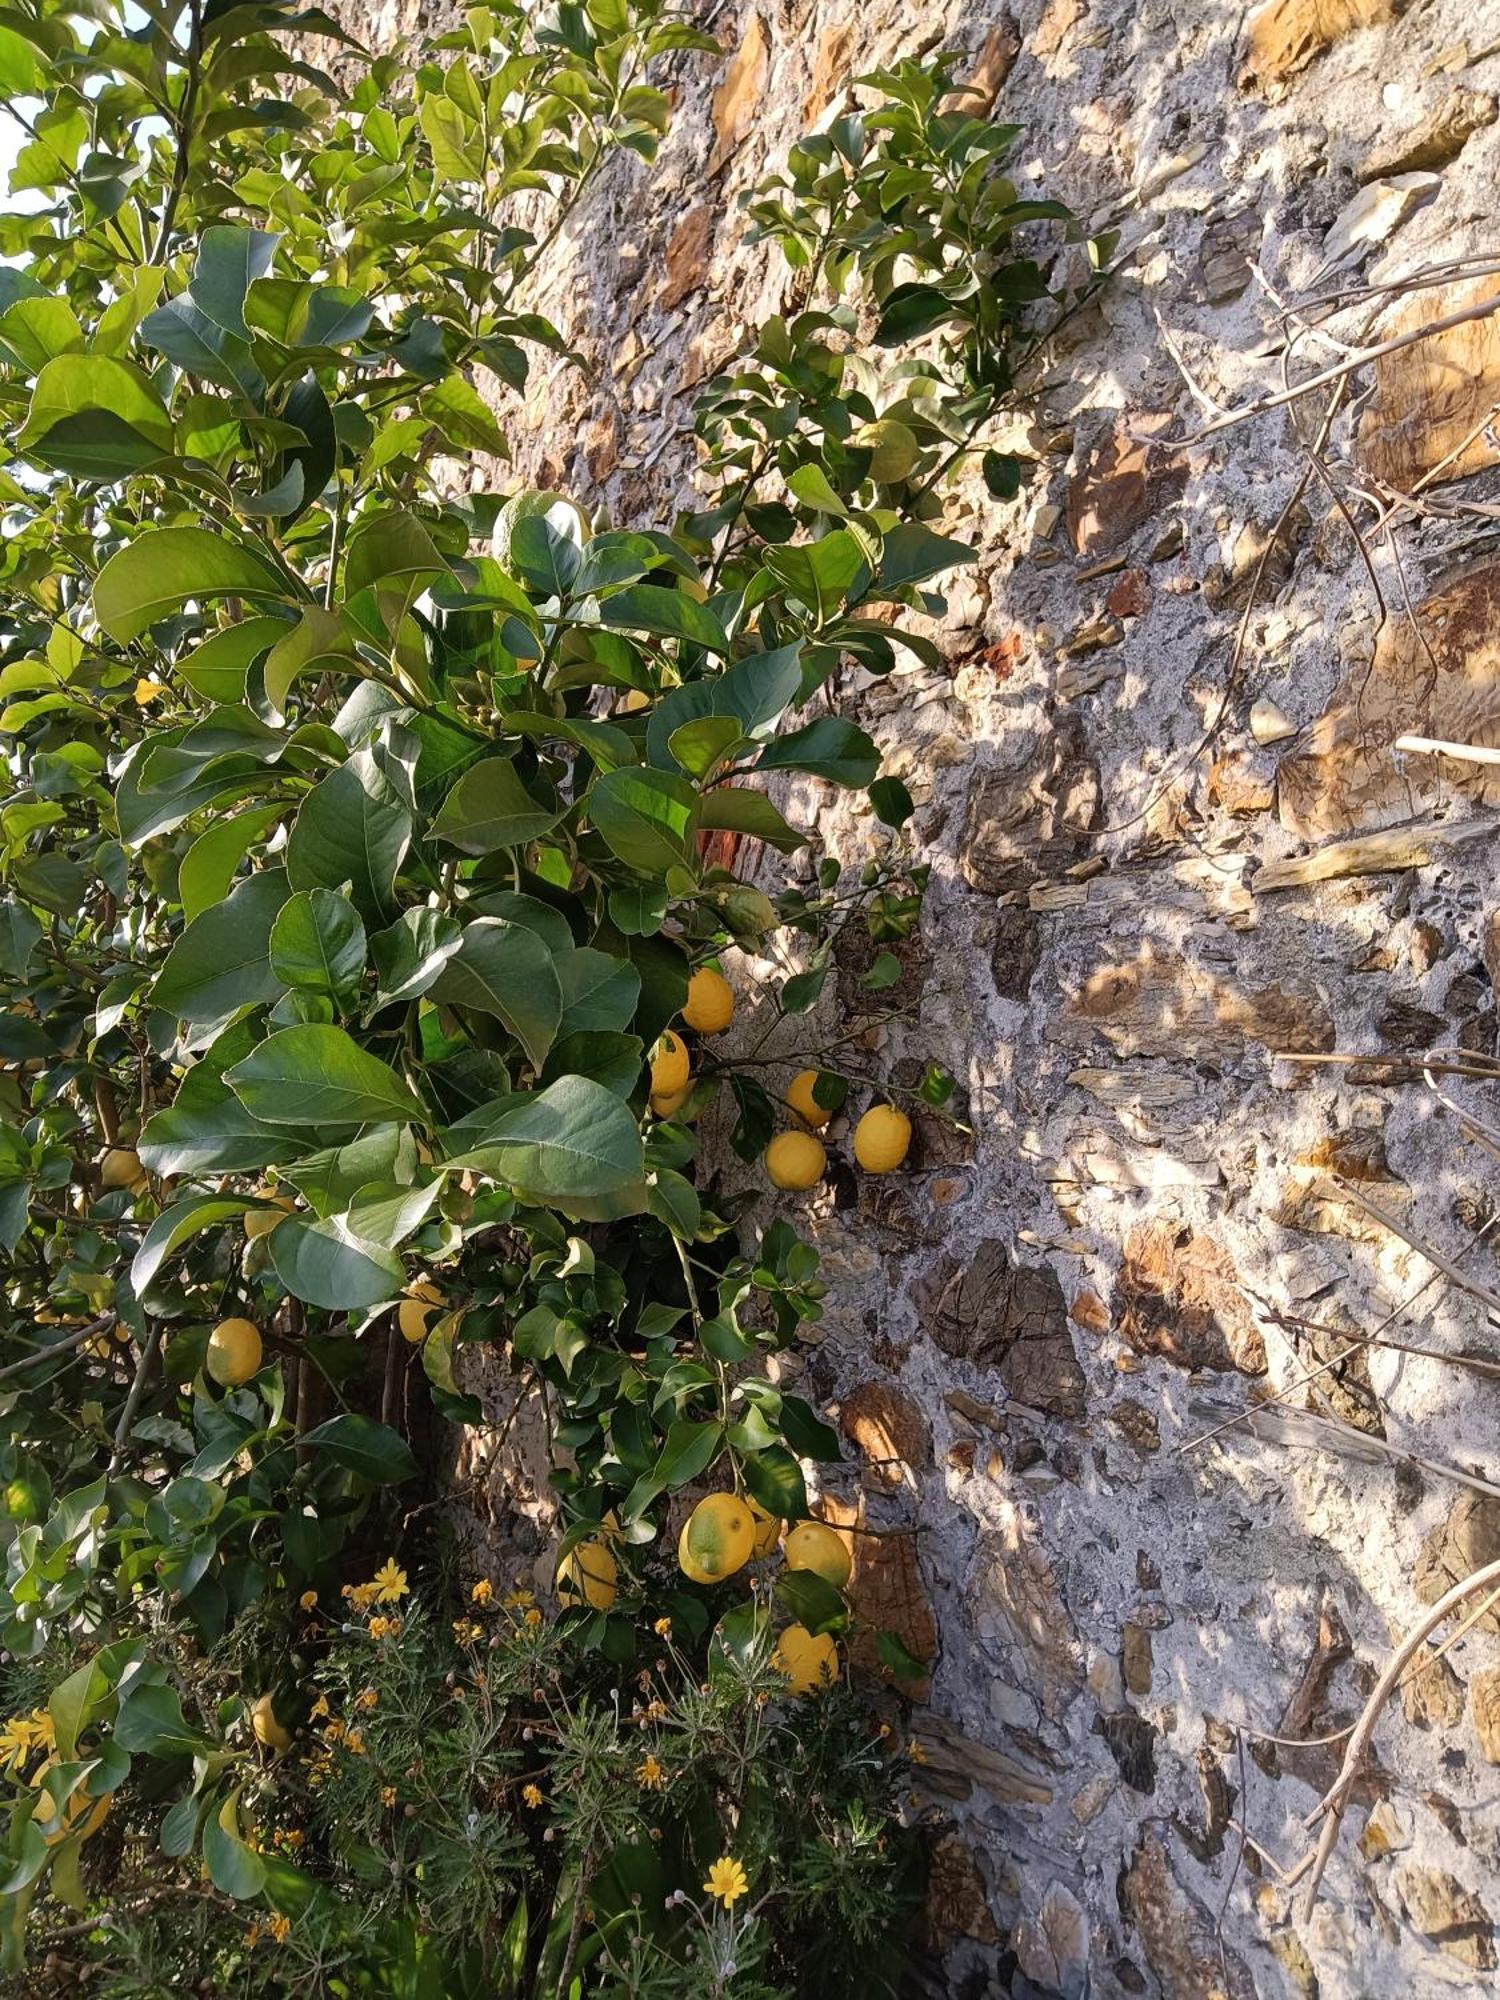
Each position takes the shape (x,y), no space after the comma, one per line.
(795,1160)
(671,1066)
(811,1545)
(261,1221)
(810,1660)
(234,1352)
(882,1139)
(709,1008)
(412,1317)
(767,1531)
(589,1574)
(892,446)
(268,1731)
(121,1168)
(799,1098)
(717,1538)
(668,1107)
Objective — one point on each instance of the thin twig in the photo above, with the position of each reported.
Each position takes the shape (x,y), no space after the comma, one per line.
(1361,359)
(74,1340)
(137,1390)
(1335,1799)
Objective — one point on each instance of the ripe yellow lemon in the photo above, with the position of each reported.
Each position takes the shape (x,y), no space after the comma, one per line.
(812,1546)
(710,1002)
(670,1066)
(809,1660)
(266,1727)
(882,1139)
(799,1097)
(717,1538)
(588,1575)
(795,1160)
(767,1530)
(668,1107)
(234,1352)
(892,447)
(121,1168)
(261,1221)
(413,1317)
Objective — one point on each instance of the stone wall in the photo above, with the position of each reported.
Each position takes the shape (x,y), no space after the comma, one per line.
(1030,1332)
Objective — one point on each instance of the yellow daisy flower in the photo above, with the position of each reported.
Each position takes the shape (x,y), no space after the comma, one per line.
(390,1582)
(532,1796)
(483,1591)
(650,1774)
(727,1881)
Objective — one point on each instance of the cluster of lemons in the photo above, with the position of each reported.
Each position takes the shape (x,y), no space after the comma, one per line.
(797,1159)
(721,1535)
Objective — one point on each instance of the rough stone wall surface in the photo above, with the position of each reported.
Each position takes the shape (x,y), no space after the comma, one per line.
(1028,1330)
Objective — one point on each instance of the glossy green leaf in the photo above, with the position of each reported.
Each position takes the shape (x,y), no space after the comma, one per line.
(491,808)
(318,943)
(157,572)
(503,970)
(828,748)
(411,953)
(326,1264)
(319,1075)
(646,818)
(95,418)
(222,960)
(573,1139)
(361,1445)
(354,828)
(176,1226)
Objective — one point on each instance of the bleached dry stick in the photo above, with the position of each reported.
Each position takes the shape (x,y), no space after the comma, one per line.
(1361,359)
(1437,746)
(1331,1807)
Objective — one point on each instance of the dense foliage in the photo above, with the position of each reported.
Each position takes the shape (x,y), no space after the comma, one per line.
(355,866)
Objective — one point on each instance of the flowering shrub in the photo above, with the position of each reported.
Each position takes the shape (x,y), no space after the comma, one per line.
(457,1794)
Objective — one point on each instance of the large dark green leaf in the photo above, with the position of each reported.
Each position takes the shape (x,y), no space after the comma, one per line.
(599,991)
(156,572)
(669,614)
(911,553)
(646,818)
(573,1139)
(222,961)
(489,808)
(318,943)
(318,1075)
(352,827)
(503,970)
(151,1723)
(829,748)
(205,1129)
(95,418)
(741,810)
(411,953)
(361,1445)
(176,1226)
(229,260)
(325,1264)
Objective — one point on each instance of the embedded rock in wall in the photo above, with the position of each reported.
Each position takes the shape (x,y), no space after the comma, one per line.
(1433,415)
(1436,675)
